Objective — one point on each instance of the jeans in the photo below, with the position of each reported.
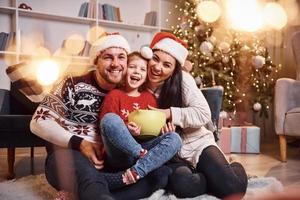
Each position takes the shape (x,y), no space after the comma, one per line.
(213,175)
(123,150)
(69,170)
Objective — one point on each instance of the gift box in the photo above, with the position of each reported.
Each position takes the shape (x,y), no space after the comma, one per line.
(225,140)
(237,119)
(245,139)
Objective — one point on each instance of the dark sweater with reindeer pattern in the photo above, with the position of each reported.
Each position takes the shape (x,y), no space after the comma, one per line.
(70,112)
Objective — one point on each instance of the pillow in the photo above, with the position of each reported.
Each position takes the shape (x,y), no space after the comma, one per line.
(23,78)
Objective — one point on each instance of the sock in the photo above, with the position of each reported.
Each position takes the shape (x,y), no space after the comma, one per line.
(114,180)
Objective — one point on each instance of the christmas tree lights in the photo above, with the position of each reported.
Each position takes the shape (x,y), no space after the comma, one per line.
(238,60)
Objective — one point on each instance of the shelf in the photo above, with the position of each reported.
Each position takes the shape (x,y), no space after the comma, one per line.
(166,29)
(7,10)
(85,59)
(8,53)
(84,20)
(53,25)
(115,24)
(47,16)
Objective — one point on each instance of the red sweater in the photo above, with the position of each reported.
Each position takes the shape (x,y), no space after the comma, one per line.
(117,101)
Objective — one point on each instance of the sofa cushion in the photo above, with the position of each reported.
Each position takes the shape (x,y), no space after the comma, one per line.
(292,122)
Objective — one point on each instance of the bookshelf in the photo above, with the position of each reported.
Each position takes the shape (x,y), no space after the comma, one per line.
(50,22)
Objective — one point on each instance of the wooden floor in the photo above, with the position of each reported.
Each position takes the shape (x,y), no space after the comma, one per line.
(264,164)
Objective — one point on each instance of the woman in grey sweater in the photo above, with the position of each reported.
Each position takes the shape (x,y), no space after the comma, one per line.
(202,167)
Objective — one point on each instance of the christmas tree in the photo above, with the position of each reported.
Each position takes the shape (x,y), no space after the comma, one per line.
(238,61)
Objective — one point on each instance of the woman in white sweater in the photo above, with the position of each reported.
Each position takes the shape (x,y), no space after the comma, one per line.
(202,167)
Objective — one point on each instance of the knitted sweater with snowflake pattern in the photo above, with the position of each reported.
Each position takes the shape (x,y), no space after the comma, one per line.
(71,109)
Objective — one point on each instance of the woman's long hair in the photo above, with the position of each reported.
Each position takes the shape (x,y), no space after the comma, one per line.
(171,92)
(171,96)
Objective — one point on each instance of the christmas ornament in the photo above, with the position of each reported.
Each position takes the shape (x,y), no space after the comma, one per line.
(200,29)
(258,61)
(184,25)
(206,47)
(225,59)
(257,106)
(198,81)
(224,47)
(223,114)
(233,61)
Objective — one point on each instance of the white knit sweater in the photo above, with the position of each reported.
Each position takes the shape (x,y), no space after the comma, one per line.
(193,117)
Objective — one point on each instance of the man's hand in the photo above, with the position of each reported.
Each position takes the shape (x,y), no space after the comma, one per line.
(93,152)
(168,127)
(134,129)
(166,111)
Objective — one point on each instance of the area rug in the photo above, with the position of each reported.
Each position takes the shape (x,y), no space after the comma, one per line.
(35,187)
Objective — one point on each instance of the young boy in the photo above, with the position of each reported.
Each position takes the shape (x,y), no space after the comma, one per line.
(119,136)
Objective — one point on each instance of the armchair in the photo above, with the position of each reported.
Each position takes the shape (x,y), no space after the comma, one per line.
(214,96)
(287,103)
(15,115)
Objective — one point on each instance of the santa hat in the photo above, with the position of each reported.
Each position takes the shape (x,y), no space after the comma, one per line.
(170,44)
(108,40)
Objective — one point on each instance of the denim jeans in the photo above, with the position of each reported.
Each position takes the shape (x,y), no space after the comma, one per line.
(123,150)
(70,170)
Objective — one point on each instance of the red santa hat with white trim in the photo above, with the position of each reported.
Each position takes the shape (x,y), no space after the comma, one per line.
(108,40)
(170,44)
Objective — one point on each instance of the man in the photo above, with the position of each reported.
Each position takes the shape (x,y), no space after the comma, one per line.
(68,120)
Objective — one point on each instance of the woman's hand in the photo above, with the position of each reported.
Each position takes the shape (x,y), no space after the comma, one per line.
(93,152)
(166,111)
(134,129)
(168,127)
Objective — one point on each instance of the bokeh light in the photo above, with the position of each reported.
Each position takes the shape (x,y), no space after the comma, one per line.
(208,11)
(30,42)
(94,33)
(274,15)
(74,44)
(293,10)
(47,72)
(42,51)
(245,15)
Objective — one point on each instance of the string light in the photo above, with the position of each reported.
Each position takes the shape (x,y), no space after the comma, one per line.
(229,73)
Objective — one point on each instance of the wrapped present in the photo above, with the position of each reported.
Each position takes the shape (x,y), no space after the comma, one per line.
(245,139)
(236,119)
(228,122)
(225,140)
